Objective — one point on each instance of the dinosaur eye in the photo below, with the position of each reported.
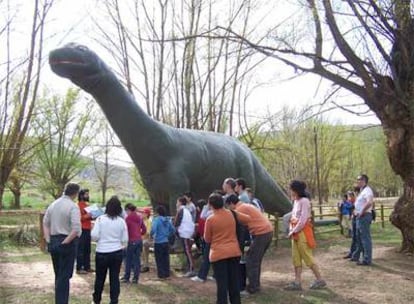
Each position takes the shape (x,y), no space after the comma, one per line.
(82,48)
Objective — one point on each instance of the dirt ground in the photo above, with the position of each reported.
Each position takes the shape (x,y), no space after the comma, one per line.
(389,280)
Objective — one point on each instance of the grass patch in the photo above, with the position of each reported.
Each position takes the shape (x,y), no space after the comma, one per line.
(10,295)
(20,219)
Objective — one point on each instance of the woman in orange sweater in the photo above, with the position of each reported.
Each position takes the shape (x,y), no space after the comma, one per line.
(220,232)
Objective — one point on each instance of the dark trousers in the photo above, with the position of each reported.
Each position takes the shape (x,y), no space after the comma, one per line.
(254,257)
(162,259)
(63,258)
(243,275)
(133,260)
(103,262)
(83,259)
(227,274)
(205,264)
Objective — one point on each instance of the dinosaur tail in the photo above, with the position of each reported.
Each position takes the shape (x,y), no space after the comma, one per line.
(273,197)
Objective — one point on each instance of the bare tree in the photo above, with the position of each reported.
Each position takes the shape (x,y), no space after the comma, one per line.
(185,81)
(101,158)
(367,48)
(19,87)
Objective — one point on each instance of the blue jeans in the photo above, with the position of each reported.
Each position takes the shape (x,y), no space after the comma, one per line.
(162,259)
(227,274)
(354,237)
(364,242)
(83,259)
(205,264)
(103,262)
(133,260)
(63,258)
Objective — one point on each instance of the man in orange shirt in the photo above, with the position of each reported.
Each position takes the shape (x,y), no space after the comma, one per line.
(261,232)
(83,259)
(220,232)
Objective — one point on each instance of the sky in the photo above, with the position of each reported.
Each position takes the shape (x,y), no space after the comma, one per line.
(70,20)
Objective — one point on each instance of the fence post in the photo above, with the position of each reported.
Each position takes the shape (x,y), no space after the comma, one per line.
(42,242)
(382,216)
(275,228)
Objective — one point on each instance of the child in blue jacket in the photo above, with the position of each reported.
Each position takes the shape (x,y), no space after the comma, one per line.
(161,229)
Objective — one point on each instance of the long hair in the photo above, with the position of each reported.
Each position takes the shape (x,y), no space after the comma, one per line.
(113,207)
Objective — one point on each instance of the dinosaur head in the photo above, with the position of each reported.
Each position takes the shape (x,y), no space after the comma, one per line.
(79,64)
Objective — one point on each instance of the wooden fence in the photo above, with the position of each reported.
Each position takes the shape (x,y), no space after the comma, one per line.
(329,216)
(322,216)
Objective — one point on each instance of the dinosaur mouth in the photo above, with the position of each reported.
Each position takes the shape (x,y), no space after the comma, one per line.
(66,62)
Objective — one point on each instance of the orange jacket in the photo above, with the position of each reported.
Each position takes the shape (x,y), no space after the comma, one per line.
(220,232)
(258,223)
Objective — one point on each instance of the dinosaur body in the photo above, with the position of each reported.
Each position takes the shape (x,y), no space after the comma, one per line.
(170,161)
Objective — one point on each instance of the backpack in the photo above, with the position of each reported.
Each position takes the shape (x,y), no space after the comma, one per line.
(171,234)
(241,232)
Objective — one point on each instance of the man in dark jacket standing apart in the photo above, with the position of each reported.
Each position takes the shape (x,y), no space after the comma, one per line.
(61,228)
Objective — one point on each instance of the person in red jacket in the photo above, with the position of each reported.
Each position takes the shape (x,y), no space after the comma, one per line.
(83,259)
(136,229)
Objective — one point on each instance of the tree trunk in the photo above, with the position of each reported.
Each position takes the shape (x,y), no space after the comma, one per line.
(16,202)
(402,217)
(1,197)
(400,144)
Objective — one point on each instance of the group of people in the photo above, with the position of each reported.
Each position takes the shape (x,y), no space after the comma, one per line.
(119,236)
(361,216)
(230,228)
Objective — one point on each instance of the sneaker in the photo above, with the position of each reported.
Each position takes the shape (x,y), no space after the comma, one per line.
(252,290)
(211,278)
(244,293)
(197,279)
(318,284)
(189,274)
(134,281)
(145,269)
(359,263)
(293,286)
(123,280)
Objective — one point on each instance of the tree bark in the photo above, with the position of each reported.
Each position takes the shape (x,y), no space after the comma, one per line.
(401,217)
(1,196)
(16,200)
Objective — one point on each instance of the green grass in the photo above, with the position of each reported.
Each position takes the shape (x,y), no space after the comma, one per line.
(175,291)
(14,295)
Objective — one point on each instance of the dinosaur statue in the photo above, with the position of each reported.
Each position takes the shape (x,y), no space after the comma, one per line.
(171,161)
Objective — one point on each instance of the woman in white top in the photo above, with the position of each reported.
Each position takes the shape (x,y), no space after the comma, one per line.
(186,228)
(111,235)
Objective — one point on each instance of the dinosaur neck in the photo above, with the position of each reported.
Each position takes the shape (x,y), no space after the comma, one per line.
(136,130)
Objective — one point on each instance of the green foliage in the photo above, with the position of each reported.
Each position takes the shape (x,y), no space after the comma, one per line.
(64,128)
(138,184)
(288,151)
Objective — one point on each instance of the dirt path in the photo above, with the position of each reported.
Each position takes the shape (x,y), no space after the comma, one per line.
(390,280)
